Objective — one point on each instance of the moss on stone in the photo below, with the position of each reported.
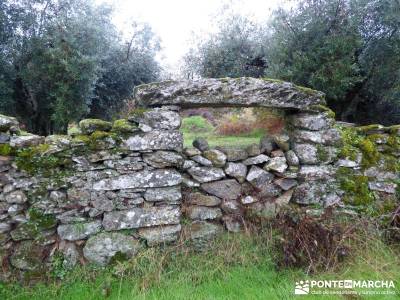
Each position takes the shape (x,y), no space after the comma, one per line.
(92,125)
(394,129)
(6,150)
(41,220)
(137,113)
(370,154)
(369,128)
(322,153)
(273,80)
(35,160)
(324,109)
(123,126)
(355,187)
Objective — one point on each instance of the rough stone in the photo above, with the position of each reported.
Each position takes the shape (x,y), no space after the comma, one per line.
(259,177)
(202,200)
(7,122)
(316,172)
(206,174)
(312,122)
(167,194)
(187,164)
(256,160)
(4,138)
(232,224)
(160,234)
(4,227)
(292,158)
(282,140)
(380,175)
(101,248)
(267,144)
(191,151)
(17,197)
(101,202)
(386,187)
(217,157)
(234,154)
(284,199)
(277,153)
(313,192)
(78,231)
(347,163)
(163,159)
(276,164)
(202,160)
(70,254)
(201,144)
(253,150)
(160,119)
(230,206)
(188,182)
(201,232)
(286,183)
(142,179)
(141,217)
(27,256)
(313,155)
(244,91)
(89,126)
(228,189)
(328,137)
(126,164)
(25,140)
(155,140)
(236,170)
(203,212)
(248,200)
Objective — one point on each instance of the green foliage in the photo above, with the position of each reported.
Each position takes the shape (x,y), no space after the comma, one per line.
(348,49)
(196,124)
(69,62)
(58,267)
(233,51)
(236,267)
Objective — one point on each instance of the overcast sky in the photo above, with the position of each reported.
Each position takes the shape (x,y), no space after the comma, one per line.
(174,21)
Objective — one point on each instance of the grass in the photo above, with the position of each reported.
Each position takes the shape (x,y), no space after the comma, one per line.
(197,126)
(237,267)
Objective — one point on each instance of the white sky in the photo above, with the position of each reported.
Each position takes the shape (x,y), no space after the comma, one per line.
(174,21)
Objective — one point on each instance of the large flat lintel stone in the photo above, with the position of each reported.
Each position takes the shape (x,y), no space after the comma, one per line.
(237,92)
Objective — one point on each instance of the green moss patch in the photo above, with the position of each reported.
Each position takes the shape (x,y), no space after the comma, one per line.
(91,125)
(35,160)
(123,126)
(355,187)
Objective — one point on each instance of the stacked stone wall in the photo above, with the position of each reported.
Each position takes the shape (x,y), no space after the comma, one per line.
(110,189)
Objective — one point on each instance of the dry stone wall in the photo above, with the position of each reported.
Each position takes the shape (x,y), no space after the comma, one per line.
(112,188)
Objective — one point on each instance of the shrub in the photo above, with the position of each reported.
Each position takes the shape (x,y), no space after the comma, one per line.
(196,124)
(309,242)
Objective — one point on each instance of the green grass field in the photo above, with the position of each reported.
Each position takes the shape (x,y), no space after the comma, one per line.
(236,267)
(196,126)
